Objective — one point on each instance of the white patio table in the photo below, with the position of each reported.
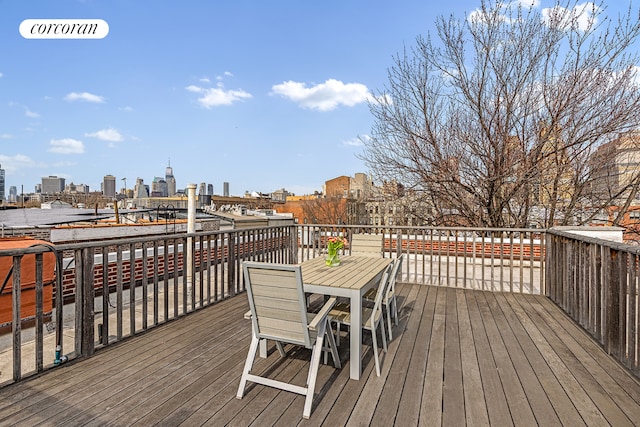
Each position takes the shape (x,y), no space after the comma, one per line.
(352,278)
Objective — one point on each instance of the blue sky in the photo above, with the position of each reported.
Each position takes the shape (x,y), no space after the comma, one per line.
(261,94)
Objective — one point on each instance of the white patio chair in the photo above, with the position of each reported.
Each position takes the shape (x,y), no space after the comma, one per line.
(366,245)
(371,317)
(389,302)
(279,313)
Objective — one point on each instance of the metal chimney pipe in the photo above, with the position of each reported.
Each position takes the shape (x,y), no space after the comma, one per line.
(191,228)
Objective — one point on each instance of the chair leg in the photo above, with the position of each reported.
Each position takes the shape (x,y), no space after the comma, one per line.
(388,310)
(395,310)
(248,364)
(263,347)
(313,371)
(375,349)
(384,337)
(338,327)
(280,349)
(333,348)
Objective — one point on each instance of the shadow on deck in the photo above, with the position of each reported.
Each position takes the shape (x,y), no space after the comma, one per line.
(458,357)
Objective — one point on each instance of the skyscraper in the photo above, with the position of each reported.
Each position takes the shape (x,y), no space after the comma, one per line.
(171,181)
(109,186)
(1,185)
(13,194)
(140,191)
(52,185)
(159,187)
(225,189)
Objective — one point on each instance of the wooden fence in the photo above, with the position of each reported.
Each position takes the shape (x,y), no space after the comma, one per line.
(596,282)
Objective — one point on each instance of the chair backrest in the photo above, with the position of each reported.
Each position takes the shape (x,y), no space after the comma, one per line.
(393,276)
(277,302)
(366,244)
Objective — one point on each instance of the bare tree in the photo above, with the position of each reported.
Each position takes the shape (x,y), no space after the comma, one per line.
(497,117)
(327,210)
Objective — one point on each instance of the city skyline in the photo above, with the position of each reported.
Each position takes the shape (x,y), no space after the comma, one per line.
(243,92)
(121,183)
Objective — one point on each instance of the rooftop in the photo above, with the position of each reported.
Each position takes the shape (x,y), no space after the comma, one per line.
(51,217)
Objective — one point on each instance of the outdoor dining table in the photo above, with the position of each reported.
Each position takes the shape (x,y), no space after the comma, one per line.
(351,279)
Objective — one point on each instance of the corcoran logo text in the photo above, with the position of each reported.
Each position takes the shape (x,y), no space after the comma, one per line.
(64,29)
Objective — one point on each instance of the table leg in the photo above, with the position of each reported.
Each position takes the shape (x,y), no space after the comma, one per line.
(356,337)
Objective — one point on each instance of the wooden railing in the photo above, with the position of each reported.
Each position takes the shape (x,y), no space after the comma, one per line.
(507,260)
(596,282)
(107,291)
(110,290)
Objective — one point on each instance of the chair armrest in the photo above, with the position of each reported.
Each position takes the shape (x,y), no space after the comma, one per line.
(247,315)
(322,314)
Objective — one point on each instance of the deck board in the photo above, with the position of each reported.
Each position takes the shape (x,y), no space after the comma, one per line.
(515,337)
(493,392)
(422,310)
(458,357)
(474,403)
(587,370)
(396,380)
(531,341)
(452,388)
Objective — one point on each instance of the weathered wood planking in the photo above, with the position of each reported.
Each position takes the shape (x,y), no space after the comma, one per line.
(458,357)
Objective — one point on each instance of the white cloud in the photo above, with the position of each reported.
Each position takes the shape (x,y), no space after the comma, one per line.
(66,146)
(214,97)
(19,162)
(126,109)
(582,16)
(63,164)
(1,75)
(218,95)
(84,96)
(357,141)
(325,96)
(106,135)
(31,114)
(5,136)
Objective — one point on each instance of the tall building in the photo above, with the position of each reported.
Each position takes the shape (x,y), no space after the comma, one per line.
(209,189)
(202,190)
(1,185)
(140,191)
(170,180)
(159,187)
(76,188)
(225,189)
(614,167)
(52,185)
(109,186)
(13,194)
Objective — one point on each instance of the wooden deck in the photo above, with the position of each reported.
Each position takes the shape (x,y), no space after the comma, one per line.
(457,358)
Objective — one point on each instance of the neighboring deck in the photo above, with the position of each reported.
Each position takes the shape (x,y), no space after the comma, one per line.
(458,357)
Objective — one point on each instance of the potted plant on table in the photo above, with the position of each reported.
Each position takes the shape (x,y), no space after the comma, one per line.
(334,244)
